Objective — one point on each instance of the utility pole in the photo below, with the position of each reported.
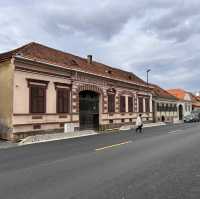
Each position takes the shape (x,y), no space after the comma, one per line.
(147,71)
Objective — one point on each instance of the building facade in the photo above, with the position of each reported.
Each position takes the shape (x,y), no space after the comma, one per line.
(164,105)
(45,90)
(195,102)
(184,102)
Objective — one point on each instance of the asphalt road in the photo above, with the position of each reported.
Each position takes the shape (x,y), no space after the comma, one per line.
(160,163)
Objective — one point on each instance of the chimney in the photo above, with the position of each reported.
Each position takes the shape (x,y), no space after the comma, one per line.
(89,59)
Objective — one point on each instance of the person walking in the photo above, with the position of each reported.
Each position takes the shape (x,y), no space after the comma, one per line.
(139,123)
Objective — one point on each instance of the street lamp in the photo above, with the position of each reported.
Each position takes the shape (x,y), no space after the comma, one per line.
(147,71)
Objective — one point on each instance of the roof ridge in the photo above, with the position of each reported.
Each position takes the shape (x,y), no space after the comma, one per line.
(85,59)
(161,92)
(52,55)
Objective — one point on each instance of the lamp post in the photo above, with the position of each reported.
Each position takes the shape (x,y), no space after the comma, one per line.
(147,71)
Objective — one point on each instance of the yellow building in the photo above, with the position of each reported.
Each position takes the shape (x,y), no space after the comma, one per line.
(164,105)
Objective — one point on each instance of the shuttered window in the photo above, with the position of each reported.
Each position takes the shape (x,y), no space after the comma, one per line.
(147,105)
(171,107)
(163,107)
(140,102)
(167,107)
(37,99)
(158,107)
(130,104)
(111,103)
(63,100)
(122,104)
(175,108)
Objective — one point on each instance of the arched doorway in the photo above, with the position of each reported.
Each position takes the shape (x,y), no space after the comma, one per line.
(180,111)
(163,118)
(88,110)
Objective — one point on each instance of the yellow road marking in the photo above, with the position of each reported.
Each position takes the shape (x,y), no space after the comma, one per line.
(114,145)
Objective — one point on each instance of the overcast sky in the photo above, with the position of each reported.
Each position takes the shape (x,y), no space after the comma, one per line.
(163,35)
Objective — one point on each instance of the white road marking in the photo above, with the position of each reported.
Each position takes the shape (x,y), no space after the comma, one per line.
(178,131)
(114,145)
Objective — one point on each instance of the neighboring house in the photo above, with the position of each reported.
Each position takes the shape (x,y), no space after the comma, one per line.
(185,102)
(45,90)
(164,105)
(195,102)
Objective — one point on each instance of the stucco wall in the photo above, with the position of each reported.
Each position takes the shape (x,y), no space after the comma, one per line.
(168,115)
(6,93)
(186,111)
(21,91)
(24,122)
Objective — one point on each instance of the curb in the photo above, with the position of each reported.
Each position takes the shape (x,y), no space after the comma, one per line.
(23,142)
(128,127)
(39,139)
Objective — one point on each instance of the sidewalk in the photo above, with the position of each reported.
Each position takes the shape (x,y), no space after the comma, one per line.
(6,144)
(61,136)
(128,127)
(56,136)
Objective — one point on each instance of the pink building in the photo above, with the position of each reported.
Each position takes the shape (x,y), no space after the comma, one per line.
(43,90)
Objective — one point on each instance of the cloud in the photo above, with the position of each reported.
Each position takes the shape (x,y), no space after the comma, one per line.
(132,35)
(178,23)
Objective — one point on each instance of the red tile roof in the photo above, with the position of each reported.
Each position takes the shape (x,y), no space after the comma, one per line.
(161,93)
(178,93)
(49,55)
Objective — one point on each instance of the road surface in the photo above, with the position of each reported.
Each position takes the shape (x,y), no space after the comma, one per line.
(161,163)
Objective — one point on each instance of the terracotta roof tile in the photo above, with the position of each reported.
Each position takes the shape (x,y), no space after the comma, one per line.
(179,93)
(49,55)
(161,93)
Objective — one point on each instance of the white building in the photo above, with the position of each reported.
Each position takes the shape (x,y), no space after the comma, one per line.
(184,102)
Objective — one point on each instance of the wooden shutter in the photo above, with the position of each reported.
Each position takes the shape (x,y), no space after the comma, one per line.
(122,104)
(37,99)
(63,100)
(141,110)
(130,104)
(147,105)
(111,103)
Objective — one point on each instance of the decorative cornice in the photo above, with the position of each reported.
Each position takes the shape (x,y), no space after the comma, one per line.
(37,82)
(144,86)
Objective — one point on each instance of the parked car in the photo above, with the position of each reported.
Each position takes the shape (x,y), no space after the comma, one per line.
(197,115)
(193,117)
(188,118)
